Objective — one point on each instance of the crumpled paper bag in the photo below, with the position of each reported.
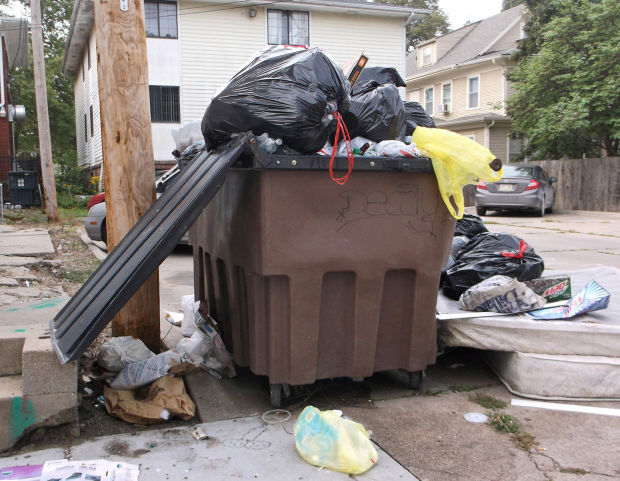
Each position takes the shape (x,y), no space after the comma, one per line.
(165,398)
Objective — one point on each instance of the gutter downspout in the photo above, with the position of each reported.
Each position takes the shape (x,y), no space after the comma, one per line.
(2,98)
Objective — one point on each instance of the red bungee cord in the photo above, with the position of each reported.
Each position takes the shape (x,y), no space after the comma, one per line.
(347,142)
(519,255)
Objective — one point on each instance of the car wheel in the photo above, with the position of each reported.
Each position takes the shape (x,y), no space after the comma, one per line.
(104,233)
(481,210)
(541,210)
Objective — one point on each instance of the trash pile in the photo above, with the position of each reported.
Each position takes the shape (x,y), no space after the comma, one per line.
(298,101)
(501,273)
(142,387)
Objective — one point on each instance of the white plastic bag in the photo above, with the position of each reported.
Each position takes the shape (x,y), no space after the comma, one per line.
(325,439)
(395,148)
(145,372)
(196,347)
(190,309)
(187,135)
(500,294)
(117,352)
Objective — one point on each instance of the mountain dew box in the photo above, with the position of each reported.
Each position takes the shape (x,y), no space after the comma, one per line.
(552,288)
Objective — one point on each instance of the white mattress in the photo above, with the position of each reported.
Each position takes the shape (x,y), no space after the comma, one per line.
(593,334)
(553,377)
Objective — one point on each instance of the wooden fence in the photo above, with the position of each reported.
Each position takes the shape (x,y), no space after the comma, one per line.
(583,184)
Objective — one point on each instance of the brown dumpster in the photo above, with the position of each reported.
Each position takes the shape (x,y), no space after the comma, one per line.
(311,280)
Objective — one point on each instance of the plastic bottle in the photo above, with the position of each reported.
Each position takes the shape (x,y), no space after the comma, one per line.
(268,144)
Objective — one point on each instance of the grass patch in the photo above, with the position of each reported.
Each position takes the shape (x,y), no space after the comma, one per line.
(36,215)
(488,402)
(433,392)
(505,423)
(79,276)
(525,441)
(462,388)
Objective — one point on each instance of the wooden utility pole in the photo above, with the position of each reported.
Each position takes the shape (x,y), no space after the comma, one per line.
(128,165)
(43,121)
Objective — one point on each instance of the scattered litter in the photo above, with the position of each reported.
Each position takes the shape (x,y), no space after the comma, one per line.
(565,407)
(88,392)
(23,473)
(100,470)
(593,297)
(174,318)
(325,439)
(142,373)
(476,417)
(500,294)
(276,416)
(552,288)
(189,308)
(165,398)
(199,433)
(118,352)
(394,148)
(456,365)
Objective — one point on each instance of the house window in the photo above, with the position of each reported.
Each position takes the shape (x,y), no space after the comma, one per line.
(91,121)
(446,97)
(161,18)
(287,27)
(515,149)
(85,128)
(428,100)
(470,136)
(426,55)
(473,92)
(164,104)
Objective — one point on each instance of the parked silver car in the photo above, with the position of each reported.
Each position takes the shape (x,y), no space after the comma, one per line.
(521,187)
(95,223)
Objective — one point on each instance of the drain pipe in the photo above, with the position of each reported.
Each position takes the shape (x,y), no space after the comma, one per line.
(2,99)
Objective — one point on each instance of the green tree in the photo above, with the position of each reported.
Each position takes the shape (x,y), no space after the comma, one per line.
(567,81)
(432,25)
(507,4)
(56,17)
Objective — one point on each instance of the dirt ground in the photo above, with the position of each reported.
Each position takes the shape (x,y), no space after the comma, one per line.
(77,264)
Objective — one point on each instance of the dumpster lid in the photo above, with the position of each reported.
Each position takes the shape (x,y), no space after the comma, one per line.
(141,251)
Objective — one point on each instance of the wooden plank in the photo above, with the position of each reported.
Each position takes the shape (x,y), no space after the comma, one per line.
(127,148)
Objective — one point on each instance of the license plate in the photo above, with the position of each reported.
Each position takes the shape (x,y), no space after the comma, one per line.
(506,187)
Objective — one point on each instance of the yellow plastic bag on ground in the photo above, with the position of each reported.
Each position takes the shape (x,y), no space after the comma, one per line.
(457,161)
(324,439)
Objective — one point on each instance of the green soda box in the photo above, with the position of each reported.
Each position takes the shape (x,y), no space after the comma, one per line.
(552,288)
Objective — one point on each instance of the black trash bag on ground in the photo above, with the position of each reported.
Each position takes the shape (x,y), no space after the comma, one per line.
(289,93)
(489,254)
(469,225)
(379,75)
(377,114)
(416,115)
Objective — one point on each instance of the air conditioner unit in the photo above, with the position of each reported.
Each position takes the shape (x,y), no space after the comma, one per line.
(443,108)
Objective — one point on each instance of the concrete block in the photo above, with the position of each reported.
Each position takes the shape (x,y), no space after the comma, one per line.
(11,355)
(22,414)
(43,373)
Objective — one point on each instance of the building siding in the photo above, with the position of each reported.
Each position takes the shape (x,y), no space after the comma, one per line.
(498,142)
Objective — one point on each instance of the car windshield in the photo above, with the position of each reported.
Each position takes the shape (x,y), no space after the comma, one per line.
(512,171)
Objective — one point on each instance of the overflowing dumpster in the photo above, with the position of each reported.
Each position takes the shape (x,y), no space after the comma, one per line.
(310,280)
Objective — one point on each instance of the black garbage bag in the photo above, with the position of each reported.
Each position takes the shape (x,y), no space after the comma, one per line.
(489,254)
(379,75)
(377,113)
(416,115)
(289,93)
(469,225)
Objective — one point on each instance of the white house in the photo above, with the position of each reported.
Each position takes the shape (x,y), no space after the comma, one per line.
(194,47)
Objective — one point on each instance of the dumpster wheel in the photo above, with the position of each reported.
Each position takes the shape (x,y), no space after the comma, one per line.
(416,380)
(277,393)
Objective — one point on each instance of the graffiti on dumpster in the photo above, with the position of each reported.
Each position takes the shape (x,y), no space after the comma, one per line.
(411,206)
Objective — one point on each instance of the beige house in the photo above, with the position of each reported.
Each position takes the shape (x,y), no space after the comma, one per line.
(460,79)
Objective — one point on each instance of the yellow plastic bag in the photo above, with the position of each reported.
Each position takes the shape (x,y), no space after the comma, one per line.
(457,161)
(324,439)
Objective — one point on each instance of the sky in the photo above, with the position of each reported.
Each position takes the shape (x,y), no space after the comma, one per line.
(460,11)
